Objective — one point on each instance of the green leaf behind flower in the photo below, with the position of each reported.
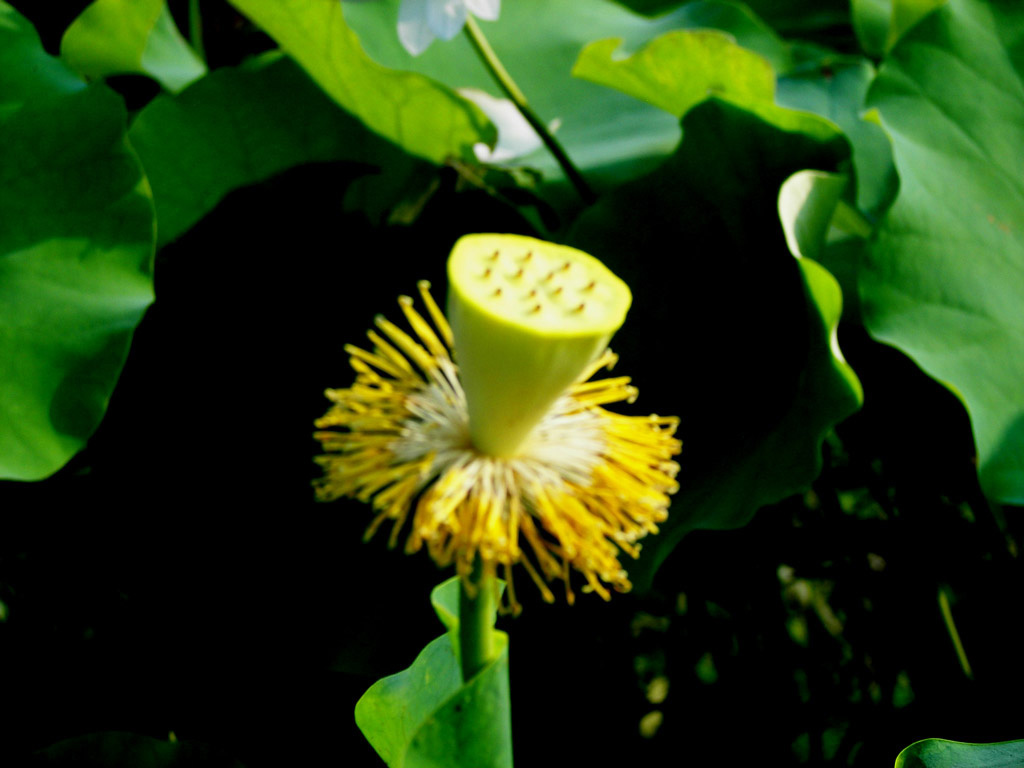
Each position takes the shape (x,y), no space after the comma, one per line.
(678,70)
(117,37)
(422,116)
(751,369)
(939,753)
(242,125)
(425,716)
(942,282)
(609,136)
(76,249)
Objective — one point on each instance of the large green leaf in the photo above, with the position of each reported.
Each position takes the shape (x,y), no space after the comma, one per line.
(425,717)
(76,248)
(422,116)
(117,37)
(939,753)
(729,330)
(943,282)
(612,138)
(239,126)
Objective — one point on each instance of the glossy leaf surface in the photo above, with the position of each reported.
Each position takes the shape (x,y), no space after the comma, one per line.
(943,280)
(76,248)
(939,753)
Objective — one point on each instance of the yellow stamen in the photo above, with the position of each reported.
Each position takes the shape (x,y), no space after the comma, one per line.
(587,486)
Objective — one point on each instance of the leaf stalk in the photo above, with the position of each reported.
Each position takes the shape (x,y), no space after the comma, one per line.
(476,619)
(508,86)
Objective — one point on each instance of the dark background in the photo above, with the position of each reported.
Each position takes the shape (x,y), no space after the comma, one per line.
(177,575)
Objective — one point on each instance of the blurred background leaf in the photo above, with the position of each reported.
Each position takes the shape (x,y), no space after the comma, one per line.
(241,125)
(835,88)
(679,70)
(130,750)
(790,17)
(610,137)
(422,116)
(118,37)
(879,24)
(76,250)
(942,282)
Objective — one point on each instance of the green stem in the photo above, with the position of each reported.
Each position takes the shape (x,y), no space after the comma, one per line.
(476,623)
(508,85)
(954,635)
(195,29)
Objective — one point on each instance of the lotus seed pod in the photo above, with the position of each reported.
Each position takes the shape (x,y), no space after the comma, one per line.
(527,317)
